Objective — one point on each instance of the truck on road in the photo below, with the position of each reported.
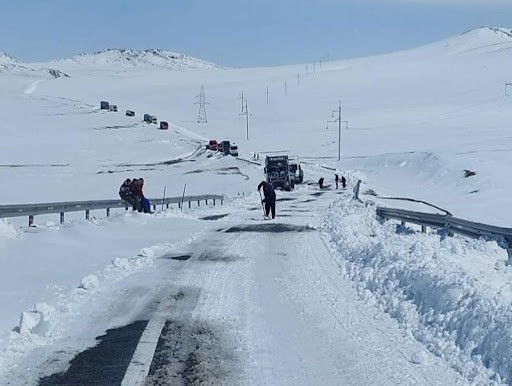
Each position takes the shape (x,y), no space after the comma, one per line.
(277,171)
(296,172)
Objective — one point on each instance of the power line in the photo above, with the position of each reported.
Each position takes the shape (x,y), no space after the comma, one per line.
(201,117)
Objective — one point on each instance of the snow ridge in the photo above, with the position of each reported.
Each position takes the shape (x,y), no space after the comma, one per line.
(128,58)
(426,283)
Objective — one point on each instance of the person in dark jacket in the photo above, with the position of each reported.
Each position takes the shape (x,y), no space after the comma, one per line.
(126,194)
(343,182)
(321,183)
(145,205)
(270,198)
(336,179)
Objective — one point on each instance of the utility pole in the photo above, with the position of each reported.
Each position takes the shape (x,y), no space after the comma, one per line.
(242,104)
(507,84)
(267,95)
(247,120)
(246,113)
(285,88)
(298,79)
(314,66)
(307,69)
(320,62)
(339,120)
(201,118)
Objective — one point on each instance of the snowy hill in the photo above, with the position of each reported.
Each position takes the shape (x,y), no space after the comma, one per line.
(126,59)
(416,120)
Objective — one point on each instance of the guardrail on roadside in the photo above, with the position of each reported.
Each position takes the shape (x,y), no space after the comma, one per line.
(31,210)
(248,161)
(449,223)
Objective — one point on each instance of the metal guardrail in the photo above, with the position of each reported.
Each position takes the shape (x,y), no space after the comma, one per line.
(448,222)
(31,210)
(248,161)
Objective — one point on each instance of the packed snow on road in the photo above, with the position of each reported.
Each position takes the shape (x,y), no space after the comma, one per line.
(326,293)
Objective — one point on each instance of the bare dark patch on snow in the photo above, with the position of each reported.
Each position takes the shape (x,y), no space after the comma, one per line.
(179,256)
(215,217)
(34,165)
(124,170)
(104,364)
(286,199)
(269,228)
(190,353)
(318,194)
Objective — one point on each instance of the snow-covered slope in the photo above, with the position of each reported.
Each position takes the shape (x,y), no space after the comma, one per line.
(126,59)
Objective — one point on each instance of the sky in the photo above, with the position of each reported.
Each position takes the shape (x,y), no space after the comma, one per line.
(243,33)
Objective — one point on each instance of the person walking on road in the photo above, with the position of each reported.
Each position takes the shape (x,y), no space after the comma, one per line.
(343,182)
(336,179)
(321,183)
(270,198)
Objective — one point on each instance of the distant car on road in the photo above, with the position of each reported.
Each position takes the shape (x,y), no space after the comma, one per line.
(164,125)
(130,113)
(233,150)
(154,119)
(147,118)
(104,105)
(212,145)
(225,147)
(113,108)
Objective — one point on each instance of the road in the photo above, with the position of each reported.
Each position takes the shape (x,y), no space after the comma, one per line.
(260,302)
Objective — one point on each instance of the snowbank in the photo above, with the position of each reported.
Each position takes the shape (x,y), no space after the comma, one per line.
(451,294)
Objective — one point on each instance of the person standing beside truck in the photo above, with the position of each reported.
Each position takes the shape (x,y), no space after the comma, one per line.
(270,198)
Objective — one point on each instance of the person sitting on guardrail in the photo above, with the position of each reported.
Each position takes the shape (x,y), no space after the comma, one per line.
(126,194)
(145,205)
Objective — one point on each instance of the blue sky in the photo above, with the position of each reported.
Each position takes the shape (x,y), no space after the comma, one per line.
(239,33)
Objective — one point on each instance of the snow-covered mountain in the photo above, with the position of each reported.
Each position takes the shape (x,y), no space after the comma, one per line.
(125,59)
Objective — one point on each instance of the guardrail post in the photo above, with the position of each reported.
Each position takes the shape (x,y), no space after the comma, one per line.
(108,212)
(167,205)
(423,229)
(189,204)
(154,208)
(198,203)
(87,214)
(402,223)
(222,201)
(179,205)
(214,202)
(62,217)
(206,202)
(30,220)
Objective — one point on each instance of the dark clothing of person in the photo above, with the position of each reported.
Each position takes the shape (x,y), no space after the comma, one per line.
(336,179)
(270,206)
(321,183)
(145,205)
(126,195)
(343,182)
(270,198)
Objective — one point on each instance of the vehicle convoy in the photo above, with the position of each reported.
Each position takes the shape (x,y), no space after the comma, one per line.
(233,150)
(212,145)
(277,171)
(296,172)
(225,147)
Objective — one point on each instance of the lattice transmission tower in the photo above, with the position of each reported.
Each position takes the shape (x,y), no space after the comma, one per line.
(201,117)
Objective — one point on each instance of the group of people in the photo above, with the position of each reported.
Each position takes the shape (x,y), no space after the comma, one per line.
(131,192)
(336,180)
(269,200)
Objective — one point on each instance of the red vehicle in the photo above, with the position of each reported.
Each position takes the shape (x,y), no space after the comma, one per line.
(213,145)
